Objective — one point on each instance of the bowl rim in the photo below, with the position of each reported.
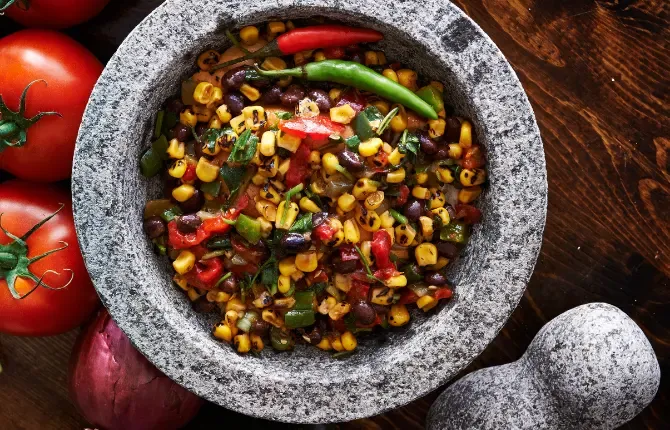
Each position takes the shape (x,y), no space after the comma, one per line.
(466,41)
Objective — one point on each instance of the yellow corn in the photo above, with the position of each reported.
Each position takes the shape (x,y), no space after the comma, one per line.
(441,263)
(258,179)
(443,213)
(396,157)
(223,113)
(223,332)
(267,145)
(324,344)
(242,343)
(437,199)
(256,343)
(471,177)
(368,220)
(249,35)
(342,114)
(203,92)
(397,281)
(287,266)
(203,113)
(370,58)
(319,56)
(308,205)
(364,187)
(270,193)
(437,85)
(351,232)
(193,294)
(176,149)
(215,123)
(217,96)
(267,209)
(184,262)
(338,237)
(391,74)
(206,171)
(235,304)
(231,317)
(395,177)
(337,344)
(436,128)
(254,117)
(334,94)
(374,200)
(271,317)
(391,232)
(291,215)
(426,303)
(455,151)
(470,194)
(188,118)
(207,59)
(407,78)
(266,227)
(399,122)
(339,310)
(183,192)
(465,139)
(445,175)
(288,142)
(177,169)
(314,160)
(387,219)
(382,296)
(398,315)
(180,281)
(343,282)
(330,163)
(370,147)
(275,28)
(348,340)
(426,227)
(268,166)
(273,63)
(237,124)
(346,202)
(284,284)
(420,192)
(250,92)
(300,58)
(306,261)
(381,57)
(327,304)
(421,178)
(404,234)
(382,106)
(426,254)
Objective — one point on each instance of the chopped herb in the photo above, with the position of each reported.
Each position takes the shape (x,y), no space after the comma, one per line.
(289,195)
(269,278)
(169,214)
(303,224)
(353,143)
(318,288)
(244,148)
(409,142)
(233,177)
(283,115)
(223,278)
(344,172)
(387,120)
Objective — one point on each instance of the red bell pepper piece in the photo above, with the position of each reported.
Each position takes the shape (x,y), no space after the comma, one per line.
(318,127)
(324,232)
(402,198)
(298,169)
(386,273)
(189,175)
(381,249)
(179,240)
(443,293)
(317,276)
(209,271)
(468,213)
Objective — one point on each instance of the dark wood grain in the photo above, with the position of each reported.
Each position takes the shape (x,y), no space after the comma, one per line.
(596,73)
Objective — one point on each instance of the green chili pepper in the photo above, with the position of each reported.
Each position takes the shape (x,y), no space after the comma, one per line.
(281,340)
(358,76)
(402,219)
(455,232)
(248,228)
(432,96)
(367,122)
(302,314)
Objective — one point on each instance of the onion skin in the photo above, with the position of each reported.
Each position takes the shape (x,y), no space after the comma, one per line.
(115,387)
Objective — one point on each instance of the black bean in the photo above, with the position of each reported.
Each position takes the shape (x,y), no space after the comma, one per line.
(380,309)
(229,285)
(435,278)
(357,57)
(234,78)
(318,218)
(271,96)
(413,209)
(188,223)
(180,132)
(200,129)
(235,102)
(452,212)
(442,153)
(350,161)
(194,203)
(320,97)
(154,227)
(203,306)
(342,267)
(313,337)
(292,95)
(260,327)
(364,312)
(453,130)
(447,249)
(295,242)
(427,145)
(174,105)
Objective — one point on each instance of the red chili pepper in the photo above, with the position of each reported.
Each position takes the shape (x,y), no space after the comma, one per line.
(404,194)
(348,253)
(189,174)
(443,293)
(334,53)
(324,232)
(468,213)
(298,169)
(179,240)
(209,271)
(306,38)
(381,248)
(317,128)
(473,158)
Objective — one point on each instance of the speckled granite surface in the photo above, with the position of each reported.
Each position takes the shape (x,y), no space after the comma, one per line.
(590,368)
(307,385)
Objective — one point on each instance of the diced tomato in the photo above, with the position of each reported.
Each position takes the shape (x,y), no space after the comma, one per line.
(209,271)
(324,232)
(381,248)
(408,296)
(298,169)
(318,275)
(354,99)
(338,326)
(386,273)
(443,293)
(217,224)
(318,127)
(179,240)
(348,253)
(359,291)
(189,175)
(402,198)
(473,158)
(334,53)
(468,213)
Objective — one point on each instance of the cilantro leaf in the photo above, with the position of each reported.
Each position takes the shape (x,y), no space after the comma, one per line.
(244,149)
(284,115)
(409,142)
(233,177)
(303,224)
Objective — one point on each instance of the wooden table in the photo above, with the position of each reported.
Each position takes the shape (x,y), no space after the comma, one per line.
(597,75)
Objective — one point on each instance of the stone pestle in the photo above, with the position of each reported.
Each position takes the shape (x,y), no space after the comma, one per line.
(589,368)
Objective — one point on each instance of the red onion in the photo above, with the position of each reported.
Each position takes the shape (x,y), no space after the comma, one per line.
(115,387)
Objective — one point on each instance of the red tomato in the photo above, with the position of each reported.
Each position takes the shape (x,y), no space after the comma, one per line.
(468,213)
(43,312)
(55,14)
(318,127)
(69,72)
(298,168)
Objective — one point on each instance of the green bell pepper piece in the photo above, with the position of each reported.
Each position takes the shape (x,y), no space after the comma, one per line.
(248,228)
(302,314)
(367,122)
(281,340)
(412,273)
(211,188)
(158,129)
(160,147)
(169,214)
(150,163)
(432,96)
(455,232)
(402,219)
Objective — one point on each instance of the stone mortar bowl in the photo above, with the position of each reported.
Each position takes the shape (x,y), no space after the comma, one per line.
(307,385)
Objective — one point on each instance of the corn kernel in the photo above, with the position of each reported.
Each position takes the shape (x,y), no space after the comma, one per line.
(387,219)
(275,28)
(382,296)
(391,232)
(177,169)
(364,187)
(398,315)
(288,142)
(339,310)
(217,96)
(343,282)
(470,194)
(203,113)
(426,254)
(319,56)
(346,202)
(368,220)
(374,200)
(183,192)
(471,177)
(184,262)
(436,128)
(324,344)
(188,118)
(330,163)
(237,124)
(235,304)
(420,192)
(443,213)
(390,74)
(399,122)
(223,113)
(206,171)
(291,215)
(215,123)
(437,85)
(307,205)
(223,332)
(465,139)
(348,340)
(180,281)
(284,284)
(249,35)
(256,343)
(203,92)
(242,343)
(371,58)
(441,263)
(337,345)
(405,234)
(306,261)
(381,57)
(290,25)
(250,92)
(176,149)
(396,157)
(445,175)
(267,209)
(426,227)
(258,179)
(302,57)
(426,303)
(342,114)
(314,159)
(334,94)
(407,78)
(338,237)
(370,147)
(193,294)
(397,281)
(437,199)
(208,59)
(327,304)
(254,117)
(287,266)
(267,146)
(382,106)
(395,177)
(351,232)
(271,317)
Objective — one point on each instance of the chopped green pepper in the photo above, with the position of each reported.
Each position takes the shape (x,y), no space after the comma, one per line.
(160,147)
(402,219)
(169,121)
(281,339)
(158,129)
(150,163)
(412,273)
(302,314)
(432,96)
(248,228)
(367,122)
(353,143)
(455,232)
